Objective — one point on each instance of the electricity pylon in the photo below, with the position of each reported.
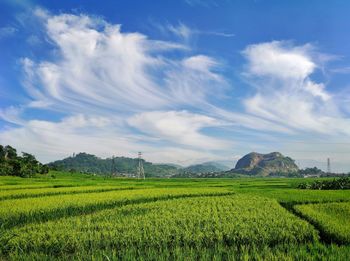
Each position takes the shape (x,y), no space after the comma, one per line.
(140,170)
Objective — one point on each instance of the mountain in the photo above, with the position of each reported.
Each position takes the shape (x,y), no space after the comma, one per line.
(205,167)
(123,166)
(271,164)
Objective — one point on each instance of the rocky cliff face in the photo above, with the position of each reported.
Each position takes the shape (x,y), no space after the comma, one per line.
(265,164)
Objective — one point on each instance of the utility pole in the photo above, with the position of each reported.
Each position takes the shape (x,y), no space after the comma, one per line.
(140,170)
(328,165)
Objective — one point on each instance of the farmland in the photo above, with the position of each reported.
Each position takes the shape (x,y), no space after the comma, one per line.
(67,216)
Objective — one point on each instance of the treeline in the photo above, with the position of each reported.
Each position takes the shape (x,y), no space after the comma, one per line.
(26,165)
(336,184)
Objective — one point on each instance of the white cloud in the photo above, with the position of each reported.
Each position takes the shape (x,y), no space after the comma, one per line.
(186,33)
(97,135)
(99,76)
(12,114)
(179,127)
(99,65)
(201,63)
(286,94)
(280,60)
(194,81)
(181,30)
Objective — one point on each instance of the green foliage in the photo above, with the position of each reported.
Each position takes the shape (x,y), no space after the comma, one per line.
(193,222)
(17,211)
(311,171)
(87,163)
(13,165)
(331,218)
(57,190)
(335,184)
(84,217)
(291,174)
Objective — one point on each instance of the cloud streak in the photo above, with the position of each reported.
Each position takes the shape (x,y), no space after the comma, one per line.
(180,127)
(110,83)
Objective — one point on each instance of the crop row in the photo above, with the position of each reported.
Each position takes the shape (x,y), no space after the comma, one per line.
(14,212)
(31,193)
(232,220)
(290,197)
(332,219)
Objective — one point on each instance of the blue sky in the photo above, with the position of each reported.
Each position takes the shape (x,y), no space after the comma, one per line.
(182,81)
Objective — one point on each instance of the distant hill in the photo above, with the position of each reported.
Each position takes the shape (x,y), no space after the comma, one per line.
(254,164)
(87,163)
(205,167)
(271,164)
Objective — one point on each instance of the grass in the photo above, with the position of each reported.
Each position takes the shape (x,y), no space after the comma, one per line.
(40,192)
(333,219)
(14,212)
(67,216)
(196,222)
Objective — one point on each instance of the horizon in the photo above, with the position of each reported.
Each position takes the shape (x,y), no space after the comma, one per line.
(230,164)
(184,82)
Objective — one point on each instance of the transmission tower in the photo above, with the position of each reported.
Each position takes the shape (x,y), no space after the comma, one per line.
(328,165)
(140,170)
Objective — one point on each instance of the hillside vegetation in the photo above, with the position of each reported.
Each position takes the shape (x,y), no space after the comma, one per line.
(12,164)
(335,184)
(123,166)
(88,163)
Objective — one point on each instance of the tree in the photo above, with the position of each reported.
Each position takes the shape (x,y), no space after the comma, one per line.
(23,166)
(10,153)
(2,153)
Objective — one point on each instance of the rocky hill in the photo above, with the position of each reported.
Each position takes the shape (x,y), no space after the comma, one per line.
(271,164)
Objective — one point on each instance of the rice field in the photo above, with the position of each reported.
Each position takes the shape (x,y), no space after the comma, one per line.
(76,217)
(332,218)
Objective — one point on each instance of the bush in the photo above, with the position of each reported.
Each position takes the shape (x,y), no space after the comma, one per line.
(335,184)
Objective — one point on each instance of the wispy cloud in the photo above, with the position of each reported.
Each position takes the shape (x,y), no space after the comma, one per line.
(186,33)
(285,92)
(343,70)
(7,31)
(99,74)
(103,136)
(180,30)
(204,3)
(179,127)
(91,51)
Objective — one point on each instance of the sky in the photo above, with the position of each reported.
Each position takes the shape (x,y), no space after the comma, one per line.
(184,81)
